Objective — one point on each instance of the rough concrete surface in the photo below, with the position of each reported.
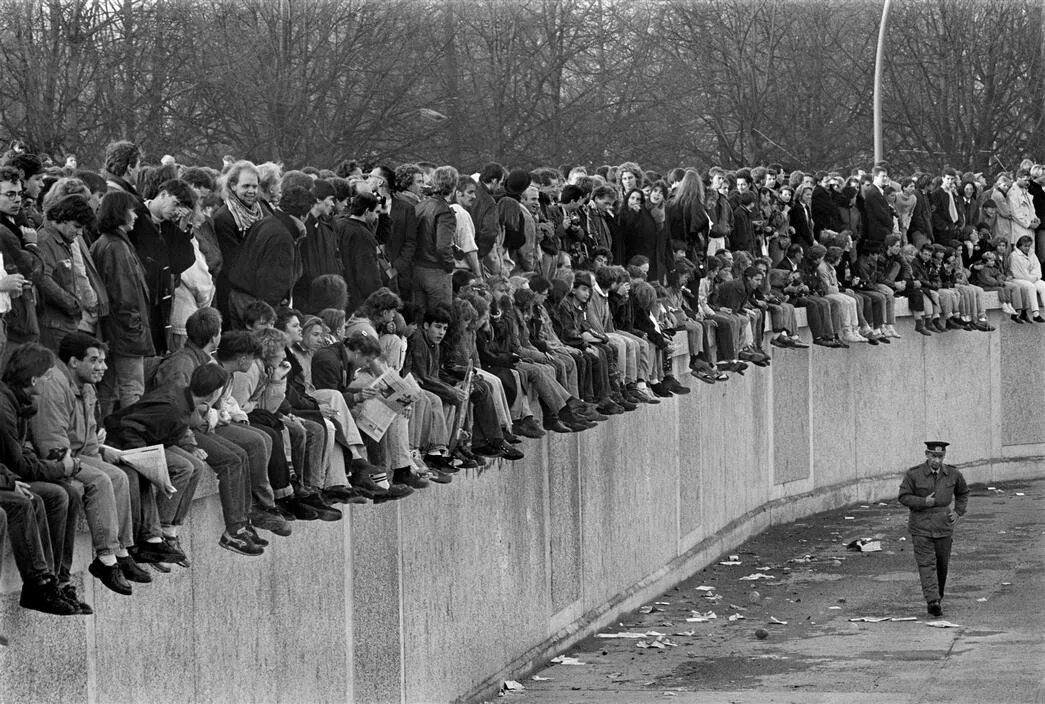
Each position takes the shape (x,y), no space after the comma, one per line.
(995,654)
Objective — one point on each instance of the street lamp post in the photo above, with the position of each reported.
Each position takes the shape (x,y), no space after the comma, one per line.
(879,59)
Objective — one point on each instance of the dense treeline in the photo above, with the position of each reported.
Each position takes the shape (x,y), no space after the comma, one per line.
(730,82)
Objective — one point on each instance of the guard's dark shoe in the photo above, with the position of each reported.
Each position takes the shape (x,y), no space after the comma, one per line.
(300,511)
(934,609)
(132,571)
(45,598)
(240,543)
(68,593)
(323,510)
(111,577)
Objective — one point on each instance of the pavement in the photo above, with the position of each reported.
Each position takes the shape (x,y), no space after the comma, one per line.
(812,589)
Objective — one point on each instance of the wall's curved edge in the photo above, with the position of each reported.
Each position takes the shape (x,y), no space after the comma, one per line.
(779,511)
(440,597)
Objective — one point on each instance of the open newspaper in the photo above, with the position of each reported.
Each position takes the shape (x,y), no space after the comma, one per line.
(395,395)
(150,462)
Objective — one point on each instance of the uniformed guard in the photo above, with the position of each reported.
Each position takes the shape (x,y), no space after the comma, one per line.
(937,496)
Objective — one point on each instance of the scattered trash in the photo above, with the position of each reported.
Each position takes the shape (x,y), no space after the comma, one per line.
(687,634)
(903,539)
(628,634)
(756,575)
(761,633)
(650,609)
(834,608)
(1020,493)
(702,618)
(662,603)
(650,644)
(943,624)
(754,597)
(737,608)
(736,617)
(705,588)
(778,622)
(734,557)
(511,686)
(982,598)
(567,660)
(804,558)
(1006,584)
(904,618)
(538,678)
(730,562)
(850,518)
(869,619)
(865,545)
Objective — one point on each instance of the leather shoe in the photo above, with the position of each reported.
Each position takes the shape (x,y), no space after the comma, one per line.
(111,577)
(323,510)
(674,386)
(132,571)
(45,597)
(298,509)
(527,427)
(934,608)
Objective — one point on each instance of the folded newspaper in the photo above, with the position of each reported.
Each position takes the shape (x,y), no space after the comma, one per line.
(395,395)
(150,462)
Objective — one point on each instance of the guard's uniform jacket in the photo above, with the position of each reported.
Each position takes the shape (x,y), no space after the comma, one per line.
(949,485)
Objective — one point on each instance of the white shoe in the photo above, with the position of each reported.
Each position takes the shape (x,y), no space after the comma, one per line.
(1008,309)
(891,332)
(867,332)
(850,336)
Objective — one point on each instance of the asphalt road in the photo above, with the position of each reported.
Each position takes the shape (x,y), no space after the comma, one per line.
(816,587)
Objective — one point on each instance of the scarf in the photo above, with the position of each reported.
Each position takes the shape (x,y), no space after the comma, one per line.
(245,217)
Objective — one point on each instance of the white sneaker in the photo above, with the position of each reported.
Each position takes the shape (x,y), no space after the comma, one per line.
(891,331)
(1008,309)
(850,336)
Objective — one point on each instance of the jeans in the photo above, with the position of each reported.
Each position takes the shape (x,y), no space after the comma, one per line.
(432,287)
(124,381)
(258,448)
(30,540)
(229,462)
(60,504)
(141,497)
(106,503)
(184,469)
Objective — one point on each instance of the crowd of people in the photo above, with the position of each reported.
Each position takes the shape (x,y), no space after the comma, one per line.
(239,322)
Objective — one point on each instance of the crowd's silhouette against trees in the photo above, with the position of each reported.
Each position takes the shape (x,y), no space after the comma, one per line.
(730,82)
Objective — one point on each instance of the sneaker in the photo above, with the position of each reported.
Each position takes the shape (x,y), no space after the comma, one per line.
(68,592)
(174,546)
(323,510)
(132,571)
(660,389)
(270,520)
(1008,309)
(111,577)
(45,598)
(240,543)
(255,536)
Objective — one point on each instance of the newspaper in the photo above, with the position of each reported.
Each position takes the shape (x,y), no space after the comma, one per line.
(150,462)
(395,396)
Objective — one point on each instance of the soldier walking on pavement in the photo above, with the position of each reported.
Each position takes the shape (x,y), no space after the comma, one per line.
(928,490)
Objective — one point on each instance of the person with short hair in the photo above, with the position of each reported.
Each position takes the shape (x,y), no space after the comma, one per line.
(72,294)
(937,496)
(167,416)
(65,424)
(360,250)
(433,258)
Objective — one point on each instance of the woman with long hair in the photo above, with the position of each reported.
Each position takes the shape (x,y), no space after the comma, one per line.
(687,219)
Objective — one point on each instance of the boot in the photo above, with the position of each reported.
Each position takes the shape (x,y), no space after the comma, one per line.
(919,326)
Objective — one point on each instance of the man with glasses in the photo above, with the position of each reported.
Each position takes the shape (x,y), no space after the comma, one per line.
(937,496)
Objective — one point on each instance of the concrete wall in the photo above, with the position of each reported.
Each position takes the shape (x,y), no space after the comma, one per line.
(439,597)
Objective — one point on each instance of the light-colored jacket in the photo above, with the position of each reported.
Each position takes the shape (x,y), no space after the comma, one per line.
(65,415)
